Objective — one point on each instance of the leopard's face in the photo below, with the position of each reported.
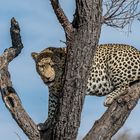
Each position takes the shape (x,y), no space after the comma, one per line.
(46,70)
(50,64)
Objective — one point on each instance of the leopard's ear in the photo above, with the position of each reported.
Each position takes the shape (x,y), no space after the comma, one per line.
(34,55)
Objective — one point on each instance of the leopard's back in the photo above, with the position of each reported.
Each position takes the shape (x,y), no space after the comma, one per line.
(113,65)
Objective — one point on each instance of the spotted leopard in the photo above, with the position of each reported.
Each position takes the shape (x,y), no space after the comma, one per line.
(114,68)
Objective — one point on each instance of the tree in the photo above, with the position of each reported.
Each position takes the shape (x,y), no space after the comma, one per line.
(81,39)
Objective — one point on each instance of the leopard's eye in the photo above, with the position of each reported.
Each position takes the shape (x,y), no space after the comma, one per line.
(41,68)
(40,64)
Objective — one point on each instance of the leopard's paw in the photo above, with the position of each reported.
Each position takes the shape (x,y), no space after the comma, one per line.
(108,101)
(42,126)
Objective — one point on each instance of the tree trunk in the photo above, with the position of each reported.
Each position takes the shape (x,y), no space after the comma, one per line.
(81,48)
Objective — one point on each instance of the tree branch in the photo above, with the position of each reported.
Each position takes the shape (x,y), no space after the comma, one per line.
(114,12)
(120,13)
(115,116)
(9,95)
(68,28)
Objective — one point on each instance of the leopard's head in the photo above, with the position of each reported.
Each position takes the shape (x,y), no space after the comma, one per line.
(50,64)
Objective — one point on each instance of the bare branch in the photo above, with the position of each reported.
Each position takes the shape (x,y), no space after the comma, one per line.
(62,17)
(116,10)
(18,135)
(115,116)
(121,12)
(9,95)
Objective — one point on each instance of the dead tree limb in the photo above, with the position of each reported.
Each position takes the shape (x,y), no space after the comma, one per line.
(115,116)
(9,95)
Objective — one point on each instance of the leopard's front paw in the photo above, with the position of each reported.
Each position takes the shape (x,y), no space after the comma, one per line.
(108,101)
(42,126)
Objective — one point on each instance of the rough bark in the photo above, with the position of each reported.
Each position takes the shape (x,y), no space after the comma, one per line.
(81,48)
(115,116)
(9,95)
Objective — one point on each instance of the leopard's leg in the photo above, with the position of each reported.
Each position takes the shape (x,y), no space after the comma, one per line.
(53,103)
(120,90)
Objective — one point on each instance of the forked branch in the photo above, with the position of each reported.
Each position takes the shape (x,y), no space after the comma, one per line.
(9,95)
(62,17)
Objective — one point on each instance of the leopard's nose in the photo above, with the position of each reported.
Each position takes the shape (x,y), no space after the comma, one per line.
(48,75)
(48,78)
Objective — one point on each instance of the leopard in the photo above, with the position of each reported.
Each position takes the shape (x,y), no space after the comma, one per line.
(114,67)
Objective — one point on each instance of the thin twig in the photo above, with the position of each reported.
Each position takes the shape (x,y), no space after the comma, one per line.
(116,10)
(121,13)
(17,135)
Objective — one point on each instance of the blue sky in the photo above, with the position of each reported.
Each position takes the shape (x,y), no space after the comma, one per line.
(40,29)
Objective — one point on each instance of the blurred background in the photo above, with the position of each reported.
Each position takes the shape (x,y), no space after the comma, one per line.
(40,29)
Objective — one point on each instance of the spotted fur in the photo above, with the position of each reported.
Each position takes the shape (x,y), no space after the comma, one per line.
(114,68)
